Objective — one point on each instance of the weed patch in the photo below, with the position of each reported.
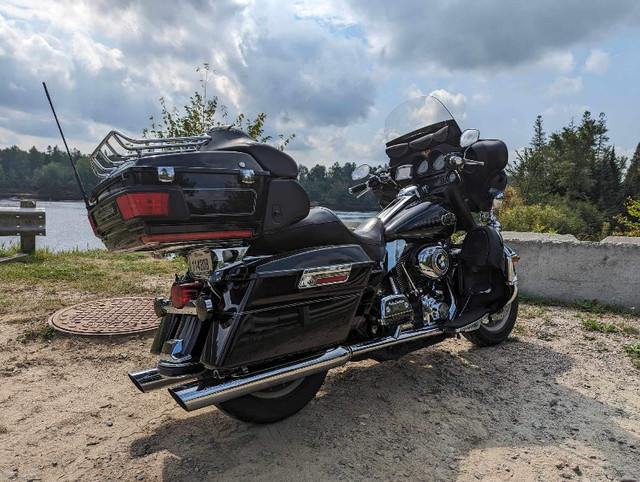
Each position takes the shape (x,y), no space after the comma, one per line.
(592,324)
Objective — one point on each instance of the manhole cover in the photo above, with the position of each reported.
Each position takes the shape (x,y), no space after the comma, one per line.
(116,316)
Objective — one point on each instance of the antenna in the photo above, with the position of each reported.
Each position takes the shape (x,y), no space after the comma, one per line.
(73,164)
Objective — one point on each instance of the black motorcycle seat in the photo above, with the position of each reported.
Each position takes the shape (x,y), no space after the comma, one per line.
(228,138)
(323,228)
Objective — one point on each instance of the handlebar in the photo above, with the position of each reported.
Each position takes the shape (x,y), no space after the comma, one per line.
(358,188)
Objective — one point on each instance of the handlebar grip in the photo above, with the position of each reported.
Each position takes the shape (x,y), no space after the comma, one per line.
(358,188)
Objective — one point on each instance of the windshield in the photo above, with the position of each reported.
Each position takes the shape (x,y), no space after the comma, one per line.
(416,116)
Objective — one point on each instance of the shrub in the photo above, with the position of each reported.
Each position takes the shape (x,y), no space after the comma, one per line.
(629,225)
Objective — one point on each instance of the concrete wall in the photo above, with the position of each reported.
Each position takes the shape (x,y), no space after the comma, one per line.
(561,267)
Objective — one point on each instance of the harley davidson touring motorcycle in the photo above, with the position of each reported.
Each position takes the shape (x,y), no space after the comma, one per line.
(278,293)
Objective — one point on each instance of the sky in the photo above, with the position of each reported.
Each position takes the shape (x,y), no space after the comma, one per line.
(328,71)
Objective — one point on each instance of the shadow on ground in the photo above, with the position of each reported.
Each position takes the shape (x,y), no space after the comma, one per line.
(418,417)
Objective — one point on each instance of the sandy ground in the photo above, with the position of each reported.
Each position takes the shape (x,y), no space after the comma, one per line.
(555,402)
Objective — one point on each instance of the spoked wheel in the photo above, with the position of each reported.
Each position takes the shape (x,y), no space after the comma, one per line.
(497,327)
(275,403)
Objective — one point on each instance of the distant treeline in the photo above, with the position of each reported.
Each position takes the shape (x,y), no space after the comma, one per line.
(43,175)
(48,175)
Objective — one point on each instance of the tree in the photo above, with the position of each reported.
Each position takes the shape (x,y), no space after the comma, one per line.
(539,139)
(631,186)
(201,114)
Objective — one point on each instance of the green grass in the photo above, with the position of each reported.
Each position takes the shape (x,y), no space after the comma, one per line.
(43,332)
(633,351)
(592,324)
(95,271)
(628,329)
(45,282)
(588,306)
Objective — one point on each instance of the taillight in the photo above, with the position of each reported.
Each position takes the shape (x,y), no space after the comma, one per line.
(177,237)
(181,294)
(143,204)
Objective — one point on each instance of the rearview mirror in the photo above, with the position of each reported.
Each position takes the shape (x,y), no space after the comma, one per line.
(468,137)
(360,172)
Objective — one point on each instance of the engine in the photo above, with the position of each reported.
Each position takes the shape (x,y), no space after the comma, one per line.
(420,289)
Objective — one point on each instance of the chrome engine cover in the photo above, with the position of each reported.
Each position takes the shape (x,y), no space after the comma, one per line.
(395,309)
(434,310)
(433,262)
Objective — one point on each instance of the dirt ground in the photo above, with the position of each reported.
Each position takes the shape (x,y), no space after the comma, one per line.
(554,402)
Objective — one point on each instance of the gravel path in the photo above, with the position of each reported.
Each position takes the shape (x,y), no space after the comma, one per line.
(554,402)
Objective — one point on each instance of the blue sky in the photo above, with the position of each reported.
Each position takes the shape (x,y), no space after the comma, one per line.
(329,71)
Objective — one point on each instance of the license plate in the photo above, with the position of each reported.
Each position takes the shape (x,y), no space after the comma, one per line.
(200,263)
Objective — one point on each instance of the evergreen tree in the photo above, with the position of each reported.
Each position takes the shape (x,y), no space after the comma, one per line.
(539,139)
(631,187)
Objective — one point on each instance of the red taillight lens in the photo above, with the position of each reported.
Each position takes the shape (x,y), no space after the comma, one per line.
(177,237)
(181,294)
(93,226)
(143,204)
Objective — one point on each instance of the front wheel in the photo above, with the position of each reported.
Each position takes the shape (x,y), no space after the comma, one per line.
(275,403)
(497,328)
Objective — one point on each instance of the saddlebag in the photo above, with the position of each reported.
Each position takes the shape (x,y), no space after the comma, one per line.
(277,307)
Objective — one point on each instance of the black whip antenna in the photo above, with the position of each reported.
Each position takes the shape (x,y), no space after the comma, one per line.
(73,164)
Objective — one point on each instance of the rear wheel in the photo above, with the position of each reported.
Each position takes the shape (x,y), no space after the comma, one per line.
(497,328)
(275,403)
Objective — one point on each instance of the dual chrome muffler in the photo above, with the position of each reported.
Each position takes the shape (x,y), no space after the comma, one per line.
(209,391)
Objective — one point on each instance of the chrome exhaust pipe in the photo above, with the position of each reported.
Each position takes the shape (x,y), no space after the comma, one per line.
(151,379)
(200,394)
(195,395)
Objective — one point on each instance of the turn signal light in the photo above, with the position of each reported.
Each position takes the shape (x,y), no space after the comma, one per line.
(181,294)
(515,259)
(143,204)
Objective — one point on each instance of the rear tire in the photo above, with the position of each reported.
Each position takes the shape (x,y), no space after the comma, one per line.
(497,329)
(278,403)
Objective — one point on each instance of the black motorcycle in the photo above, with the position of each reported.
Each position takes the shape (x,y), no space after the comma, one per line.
(276,294)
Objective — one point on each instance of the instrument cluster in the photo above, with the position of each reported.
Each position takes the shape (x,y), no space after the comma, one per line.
(427,163)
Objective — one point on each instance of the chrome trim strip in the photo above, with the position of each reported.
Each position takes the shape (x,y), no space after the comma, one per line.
(310,276)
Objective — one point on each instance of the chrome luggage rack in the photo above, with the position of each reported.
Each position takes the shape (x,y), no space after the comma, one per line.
(106,159)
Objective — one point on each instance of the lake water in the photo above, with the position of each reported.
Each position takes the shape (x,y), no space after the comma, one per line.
(68,227)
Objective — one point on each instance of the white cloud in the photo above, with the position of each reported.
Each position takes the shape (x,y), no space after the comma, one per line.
(556,61)
(455,103)
(598,62)
(564,86)
(565,110)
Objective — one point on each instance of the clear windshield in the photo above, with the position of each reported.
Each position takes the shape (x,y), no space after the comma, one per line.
(415,115)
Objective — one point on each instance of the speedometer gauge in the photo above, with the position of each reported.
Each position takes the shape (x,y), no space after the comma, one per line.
(439,163)
(423,167)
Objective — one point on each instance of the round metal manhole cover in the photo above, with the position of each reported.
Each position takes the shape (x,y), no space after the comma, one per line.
(115,316)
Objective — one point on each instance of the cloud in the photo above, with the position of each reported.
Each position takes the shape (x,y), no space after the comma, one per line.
(486,35)
(109,62)
(455,103)
(564,86)
(598,62)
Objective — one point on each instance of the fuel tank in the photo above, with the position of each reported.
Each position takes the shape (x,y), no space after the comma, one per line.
(427,221)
